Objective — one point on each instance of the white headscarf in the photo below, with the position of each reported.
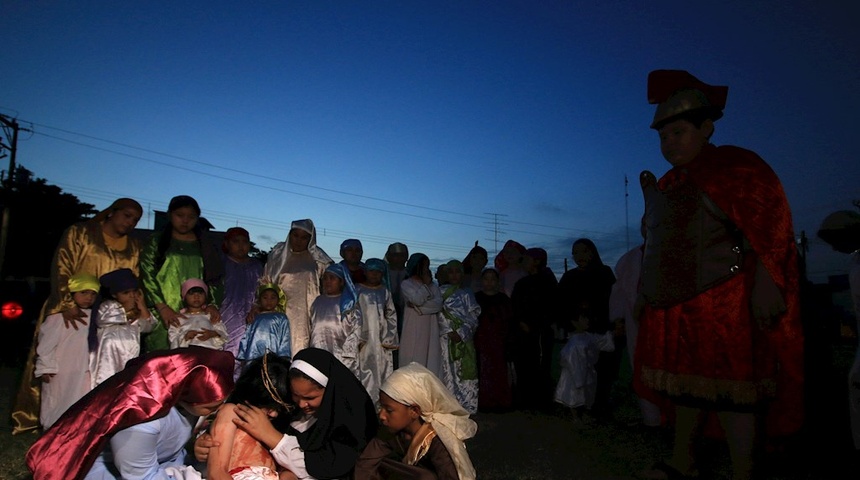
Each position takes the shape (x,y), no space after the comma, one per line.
(415,385)
(281,251)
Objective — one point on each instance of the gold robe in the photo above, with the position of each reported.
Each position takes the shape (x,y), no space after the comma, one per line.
(82,248)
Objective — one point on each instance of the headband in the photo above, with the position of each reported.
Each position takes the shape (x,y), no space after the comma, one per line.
(310,371)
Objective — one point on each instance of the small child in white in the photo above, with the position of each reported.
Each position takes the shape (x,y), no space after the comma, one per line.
(336,318)
(196,328)
(379,338)
(121,318)
(577,384)
(62,361)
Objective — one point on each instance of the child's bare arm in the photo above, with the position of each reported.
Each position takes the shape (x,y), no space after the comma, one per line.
(223,432)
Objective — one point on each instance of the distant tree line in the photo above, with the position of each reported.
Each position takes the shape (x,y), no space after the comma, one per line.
(38,215)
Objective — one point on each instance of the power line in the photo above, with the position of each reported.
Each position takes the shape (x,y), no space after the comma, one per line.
(304,185)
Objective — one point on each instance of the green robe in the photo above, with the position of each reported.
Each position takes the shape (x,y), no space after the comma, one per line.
(183,260)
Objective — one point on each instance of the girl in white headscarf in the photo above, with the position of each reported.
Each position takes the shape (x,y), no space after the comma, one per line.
(427,426)
(297,266)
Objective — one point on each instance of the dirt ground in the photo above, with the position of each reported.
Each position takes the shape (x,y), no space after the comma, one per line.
(540,445)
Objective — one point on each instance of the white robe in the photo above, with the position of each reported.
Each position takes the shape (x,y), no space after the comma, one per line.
(577,384)
(336,333)
(62,352)
(419,339)
(378,330)
(146,450)
(197,321)
(118,340)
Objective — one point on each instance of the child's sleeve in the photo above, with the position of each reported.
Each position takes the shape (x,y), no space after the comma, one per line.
(146,324)
(470,319)
(284,348)
(175,334)
(388,333)
(111,313)
(605,342)
(46,347)
(223,336)
(442,462)
(352,326)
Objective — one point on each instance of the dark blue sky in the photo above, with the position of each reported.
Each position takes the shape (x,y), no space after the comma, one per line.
(414,122)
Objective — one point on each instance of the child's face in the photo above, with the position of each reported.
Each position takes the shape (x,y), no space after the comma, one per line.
(478,261)
(374,277)
(299,240)
(581,324)
(195,298)
(332,284)
(268,300)
(238,247)
(84,298)
(396,260)
(352,255)
(306,394)
(512,255)
(490,281)
(396,416)
(454,276)
(127,298)
(681,141)
(442,274)
(183,220)
(582,255)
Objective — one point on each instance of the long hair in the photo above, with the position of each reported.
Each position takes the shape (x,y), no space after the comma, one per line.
(467,262)
(166,235)
(265,383)
(212,265)
(595,256)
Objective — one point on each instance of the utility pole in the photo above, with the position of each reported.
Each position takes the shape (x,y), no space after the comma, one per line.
(626,214)
(496,230)
(8,123)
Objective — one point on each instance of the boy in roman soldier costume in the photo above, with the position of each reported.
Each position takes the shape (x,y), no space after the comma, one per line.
(720,325)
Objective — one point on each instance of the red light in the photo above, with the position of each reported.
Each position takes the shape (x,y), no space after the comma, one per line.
(11,310)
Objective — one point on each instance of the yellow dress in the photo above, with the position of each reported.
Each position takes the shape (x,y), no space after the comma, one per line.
(82,248)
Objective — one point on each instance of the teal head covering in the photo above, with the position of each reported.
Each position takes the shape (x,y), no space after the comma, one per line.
(379,265)
(348,295)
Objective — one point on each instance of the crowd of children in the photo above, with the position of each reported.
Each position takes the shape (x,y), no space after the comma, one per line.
(349,319)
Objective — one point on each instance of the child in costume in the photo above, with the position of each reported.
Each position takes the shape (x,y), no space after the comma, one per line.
(270,331)
(457,324)
(336,318)
(426,429)
(577,385)
(118,325)
(62,362)
(196,328)
(238,456)
(241,277)
(379,336)
(136,424)
(720,330)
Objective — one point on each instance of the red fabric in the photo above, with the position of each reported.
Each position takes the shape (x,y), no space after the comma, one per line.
(145,390)
(500,262)
(709,347)
(662,84)
(493,344)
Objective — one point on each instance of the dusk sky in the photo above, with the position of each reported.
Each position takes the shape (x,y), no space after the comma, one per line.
(423,122)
